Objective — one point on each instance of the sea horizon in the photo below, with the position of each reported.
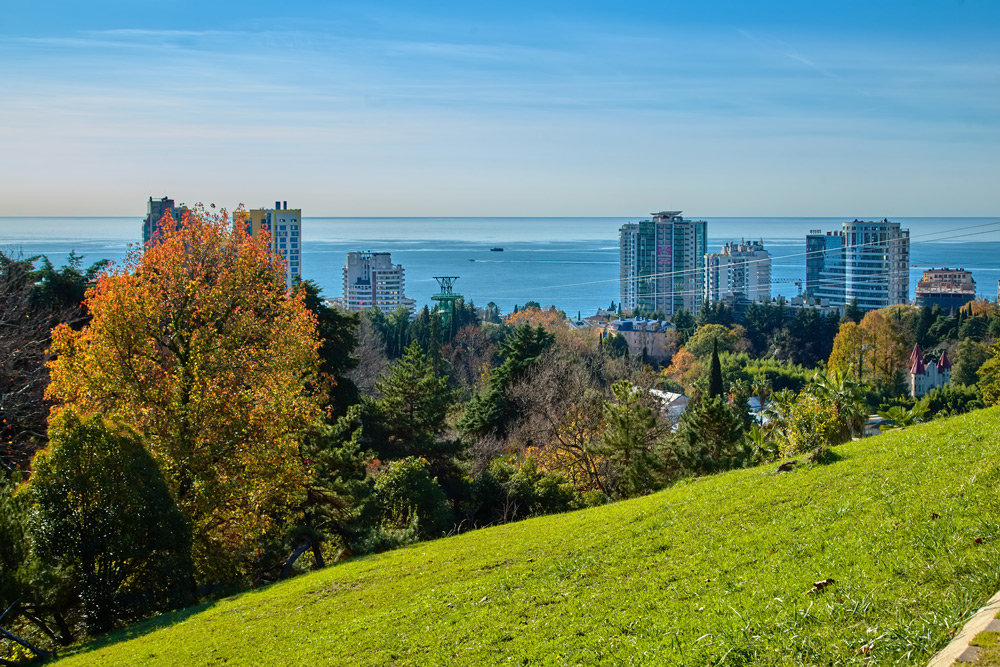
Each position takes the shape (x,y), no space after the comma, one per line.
(567,261)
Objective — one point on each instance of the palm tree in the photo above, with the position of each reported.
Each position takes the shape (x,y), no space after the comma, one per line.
(760,447)
(846,396)
(901,417)
(760,388)
(775,415)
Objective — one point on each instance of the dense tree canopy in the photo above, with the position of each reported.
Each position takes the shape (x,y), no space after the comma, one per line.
(103,513)
(197,346)
(412,406)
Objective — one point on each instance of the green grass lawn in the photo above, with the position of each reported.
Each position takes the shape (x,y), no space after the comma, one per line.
(715,571)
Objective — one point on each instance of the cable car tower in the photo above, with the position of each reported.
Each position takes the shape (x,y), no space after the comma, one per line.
(447,298)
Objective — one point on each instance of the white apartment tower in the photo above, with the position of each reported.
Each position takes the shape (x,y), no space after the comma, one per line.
(741,270)
(371,280)
(876,264)
(866,261)
(285,226)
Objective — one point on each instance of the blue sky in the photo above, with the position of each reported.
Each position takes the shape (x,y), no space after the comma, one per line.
(514,108)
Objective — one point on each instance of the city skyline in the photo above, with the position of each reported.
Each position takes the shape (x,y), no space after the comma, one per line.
(521,110)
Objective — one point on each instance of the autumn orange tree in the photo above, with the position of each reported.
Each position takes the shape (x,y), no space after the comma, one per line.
(196,344)
(872,351)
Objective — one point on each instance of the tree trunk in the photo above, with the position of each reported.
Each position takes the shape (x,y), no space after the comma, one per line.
(28,645)
(67,635)
(38,623)
(318,556)
(287,569)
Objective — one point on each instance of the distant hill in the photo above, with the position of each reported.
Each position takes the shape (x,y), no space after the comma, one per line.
(904,529)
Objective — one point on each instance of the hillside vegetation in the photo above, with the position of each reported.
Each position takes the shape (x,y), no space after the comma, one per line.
(903,528)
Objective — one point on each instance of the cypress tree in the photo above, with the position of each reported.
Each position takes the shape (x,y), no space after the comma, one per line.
(715,387)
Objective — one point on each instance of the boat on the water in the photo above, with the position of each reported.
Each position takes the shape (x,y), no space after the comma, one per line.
(497,249)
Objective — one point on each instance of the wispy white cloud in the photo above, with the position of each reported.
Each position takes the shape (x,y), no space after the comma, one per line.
(574,105)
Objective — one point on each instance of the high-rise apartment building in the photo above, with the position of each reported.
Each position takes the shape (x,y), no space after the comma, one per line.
(825,266)
(155,210)
(285,226)
(371,280)
(866,262)
(662,264)
(876,264)
(741,271)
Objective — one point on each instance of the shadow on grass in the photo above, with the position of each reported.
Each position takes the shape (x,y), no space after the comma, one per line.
(832,456)
(138,629)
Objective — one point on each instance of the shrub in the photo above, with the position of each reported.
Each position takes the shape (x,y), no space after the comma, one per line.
(102,512)
(408,497)
(505,492)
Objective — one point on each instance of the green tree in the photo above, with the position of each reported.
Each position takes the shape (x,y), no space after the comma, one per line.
(394,328)
(762,321)
(709,336)
(14,552)
(989,377)
(953,399)
(338,333)
(411,501)
(715,313)
(685,323)
(845,398)
(901,417)
(492,313)
(615,345)
(974,328)
(331,510)
(710,436)
(102,511)
(629,441)
(715,386)
(505,492)
(971,356)
(491,412)
(852,313)
(811,427)
(413,406)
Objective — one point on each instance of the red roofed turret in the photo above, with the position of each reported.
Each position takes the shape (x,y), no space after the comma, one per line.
(917,367)
(916,354)
(943,362)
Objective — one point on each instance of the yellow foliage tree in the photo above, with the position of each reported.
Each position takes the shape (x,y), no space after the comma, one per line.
(197,345)
(850,352)
(980,307)
(571,450)
(550,319)
(684,368)
(873,350)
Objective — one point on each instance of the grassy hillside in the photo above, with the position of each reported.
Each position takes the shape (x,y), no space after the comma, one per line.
(716,571)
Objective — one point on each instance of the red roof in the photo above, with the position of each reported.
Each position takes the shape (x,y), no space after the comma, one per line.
(916,354)
(917,366)
(943,362)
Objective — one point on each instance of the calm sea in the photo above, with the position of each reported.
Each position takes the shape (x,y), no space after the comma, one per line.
(568,262)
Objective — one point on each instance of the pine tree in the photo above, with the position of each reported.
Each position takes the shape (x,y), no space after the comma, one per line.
(715,386)
(413,405)
(710,435)
(490,411)
(628,440)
